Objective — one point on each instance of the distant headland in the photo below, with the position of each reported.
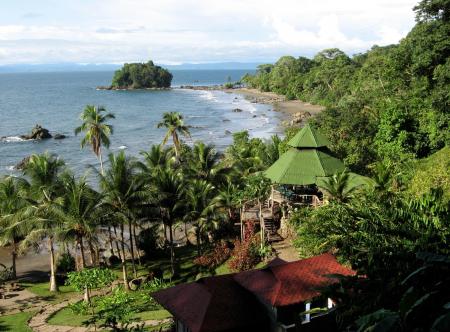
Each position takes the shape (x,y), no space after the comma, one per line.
(133,76)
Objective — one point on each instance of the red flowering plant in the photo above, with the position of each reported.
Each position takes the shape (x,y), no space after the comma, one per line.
(245,254)
(220,254)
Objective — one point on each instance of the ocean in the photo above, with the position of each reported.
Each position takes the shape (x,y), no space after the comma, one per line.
(55,101)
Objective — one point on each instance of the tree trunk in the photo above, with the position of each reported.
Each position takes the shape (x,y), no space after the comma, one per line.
(101,161)
(53,285)
(261,224)
(133,264)
(199,244)
(117,244)
(92,253)
(124,263)
(87,295)
(172,251)
(13,257)
(111,247)
(83,261)
(136,246)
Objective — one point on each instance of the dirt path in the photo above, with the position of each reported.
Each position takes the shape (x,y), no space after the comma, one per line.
(286,250)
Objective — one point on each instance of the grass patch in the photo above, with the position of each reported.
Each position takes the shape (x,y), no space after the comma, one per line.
(66,317)
(42,290)
(16,322)
(153,315)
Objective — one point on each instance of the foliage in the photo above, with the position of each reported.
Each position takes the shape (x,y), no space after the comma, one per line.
(66,262)
(174,123)
(423,302)
(148,240)
(114,311)
(338,186)
(141,75)
(219,254)
(389,103)
(432,172)
(90,278)
(376,233)
(245,254)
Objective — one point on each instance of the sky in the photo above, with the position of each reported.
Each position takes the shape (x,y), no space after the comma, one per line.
(194,31)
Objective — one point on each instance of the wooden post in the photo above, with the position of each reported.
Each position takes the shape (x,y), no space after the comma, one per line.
(241,220)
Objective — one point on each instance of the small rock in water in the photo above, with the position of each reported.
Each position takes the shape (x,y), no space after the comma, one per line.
(227,132)
(38,133)
(59,136)
(237,110)
(254,116)
(22,164)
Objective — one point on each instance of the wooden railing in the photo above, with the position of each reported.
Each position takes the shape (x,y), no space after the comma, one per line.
(296,199)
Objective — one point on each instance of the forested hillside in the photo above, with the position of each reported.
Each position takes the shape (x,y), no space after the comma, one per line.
(389,104)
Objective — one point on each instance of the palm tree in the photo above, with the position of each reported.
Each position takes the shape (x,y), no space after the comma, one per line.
(199,202)
(227,198)
(96,128)
(204,163)
(123,194)
(168,183)
(13,216)
(156,158)
(45,193)
(174,123)
(338,186)
(80,213)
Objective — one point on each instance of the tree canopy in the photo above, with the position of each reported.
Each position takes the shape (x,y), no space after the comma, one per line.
(141,76)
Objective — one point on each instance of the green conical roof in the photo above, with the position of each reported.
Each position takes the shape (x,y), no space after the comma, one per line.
(308,137)
(303,167)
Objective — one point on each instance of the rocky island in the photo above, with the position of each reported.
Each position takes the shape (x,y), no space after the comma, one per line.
(133,76)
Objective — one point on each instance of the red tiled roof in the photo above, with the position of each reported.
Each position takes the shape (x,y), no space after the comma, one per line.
(213,304)
(291,283)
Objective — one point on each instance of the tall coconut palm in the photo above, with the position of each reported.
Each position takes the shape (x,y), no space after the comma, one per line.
(204,163)
(168,183)
(80,213)
(96,128)
(200,206)
(13,214)
(45,193)
(123,192)
(156,158)
(174,123)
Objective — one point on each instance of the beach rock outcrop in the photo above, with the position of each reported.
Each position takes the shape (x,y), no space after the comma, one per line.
(299,117)
(22,164)
(38,132)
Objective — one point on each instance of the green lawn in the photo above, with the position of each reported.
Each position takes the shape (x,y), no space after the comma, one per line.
(16,322)
(66,317)
(42,289)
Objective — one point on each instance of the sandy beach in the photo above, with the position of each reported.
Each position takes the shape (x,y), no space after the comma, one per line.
(279,102)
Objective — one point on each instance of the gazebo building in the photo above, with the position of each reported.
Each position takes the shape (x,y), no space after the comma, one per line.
(299,170)
(296,180)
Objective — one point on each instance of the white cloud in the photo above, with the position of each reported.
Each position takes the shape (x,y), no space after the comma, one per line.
(102,31)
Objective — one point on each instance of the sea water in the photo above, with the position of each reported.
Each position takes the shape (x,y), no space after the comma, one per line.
(55,101)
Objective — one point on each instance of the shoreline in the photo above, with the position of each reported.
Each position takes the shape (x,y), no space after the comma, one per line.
(297,110)
(278,101)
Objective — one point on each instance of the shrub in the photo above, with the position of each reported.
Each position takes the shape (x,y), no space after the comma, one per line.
(148,240)
(220,254)
(245,254)
(66,263)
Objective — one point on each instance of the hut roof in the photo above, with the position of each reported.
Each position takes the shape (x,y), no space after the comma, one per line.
(308,137)
(303,167)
